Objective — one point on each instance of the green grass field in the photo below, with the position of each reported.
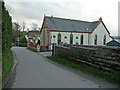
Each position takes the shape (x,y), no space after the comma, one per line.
(110,77)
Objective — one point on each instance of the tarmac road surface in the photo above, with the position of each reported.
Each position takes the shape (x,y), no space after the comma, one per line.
(34,71)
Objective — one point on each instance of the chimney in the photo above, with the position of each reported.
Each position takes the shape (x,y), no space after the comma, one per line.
(51,16)
(100,19)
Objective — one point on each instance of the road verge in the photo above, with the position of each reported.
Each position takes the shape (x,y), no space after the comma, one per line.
(11,76)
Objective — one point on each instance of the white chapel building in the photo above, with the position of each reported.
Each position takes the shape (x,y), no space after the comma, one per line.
(70,31)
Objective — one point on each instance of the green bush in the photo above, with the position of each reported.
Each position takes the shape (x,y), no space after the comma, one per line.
(32,49)
(23,44)
(23,39)
(6,30)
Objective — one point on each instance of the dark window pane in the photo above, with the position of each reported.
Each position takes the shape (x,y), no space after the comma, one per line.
(81,39)
(95,42)
(71,39)
(59,39)
(104,41)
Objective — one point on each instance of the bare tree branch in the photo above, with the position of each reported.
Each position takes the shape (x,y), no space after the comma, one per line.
(17,26)
(34,26)
(23,26)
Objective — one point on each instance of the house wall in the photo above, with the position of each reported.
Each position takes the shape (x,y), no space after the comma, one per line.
(31,35)
(45,37)
(89,38)
(100,31)
(67,34)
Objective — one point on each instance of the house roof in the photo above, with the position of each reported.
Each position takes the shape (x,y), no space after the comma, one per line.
(33,31)
(71,25)
(113,43)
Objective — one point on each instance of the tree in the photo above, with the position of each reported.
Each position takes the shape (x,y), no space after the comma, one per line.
(7,56)
(15,35)
(23,26)
(6,30)
(34,26)
(23,39)
(17,26)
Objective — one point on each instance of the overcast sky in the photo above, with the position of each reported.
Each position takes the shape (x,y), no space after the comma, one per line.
(32,11)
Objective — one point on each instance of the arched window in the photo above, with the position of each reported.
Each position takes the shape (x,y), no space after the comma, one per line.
(104,41)
(95,42)
(82,39)
(59,39)
(71,38)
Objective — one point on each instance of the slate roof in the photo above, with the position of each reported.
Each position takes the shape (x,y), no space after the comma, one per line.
(61,24)
(113,43)
(34,31)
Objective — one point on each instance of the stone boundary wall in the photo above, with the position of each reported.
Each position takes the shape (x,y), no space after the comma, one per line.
(101,57)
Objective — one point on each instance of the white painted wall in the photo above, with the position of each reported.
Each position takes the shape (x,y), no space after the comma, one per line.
(100,31)
(26,37)
(67,34)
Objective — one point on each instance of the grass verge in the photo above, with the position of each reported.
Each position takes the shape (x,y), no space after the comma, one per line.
(31,49)
(7,63)
(108,76)
(0,75)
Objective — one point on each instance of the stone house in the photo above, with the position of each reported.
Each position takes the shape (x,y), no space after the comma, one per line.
(70,31)
(33,36)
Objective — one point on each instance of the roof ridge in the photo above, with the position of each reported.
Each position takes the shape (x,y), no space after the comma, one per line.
(71,19)
(70,24)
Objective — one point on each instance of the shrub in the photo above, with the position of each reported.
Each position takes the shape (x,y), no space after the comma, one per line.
(23,39)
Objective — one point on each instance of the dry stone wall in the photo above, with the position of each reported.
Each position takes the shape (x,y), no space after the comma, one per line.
(101,57)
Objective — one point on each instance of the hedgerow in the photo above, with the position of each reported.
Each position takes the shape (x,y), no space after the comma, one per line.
(7,56)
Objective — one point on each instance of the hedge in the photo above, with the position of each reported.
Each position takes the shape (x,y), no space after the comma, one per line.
(7,56)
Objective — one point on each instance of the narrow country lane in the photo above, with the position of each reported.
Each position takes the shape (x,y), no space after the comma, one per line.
(34,71)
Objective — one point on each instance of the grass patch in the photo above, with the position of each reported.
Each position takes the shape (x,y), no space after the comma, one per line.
(7,63)
(0,75)
(108,76)
(0,80)
(31,49)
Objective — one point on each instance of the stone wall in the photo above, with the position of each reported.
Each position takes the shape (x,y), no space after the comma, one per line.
(102,57)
